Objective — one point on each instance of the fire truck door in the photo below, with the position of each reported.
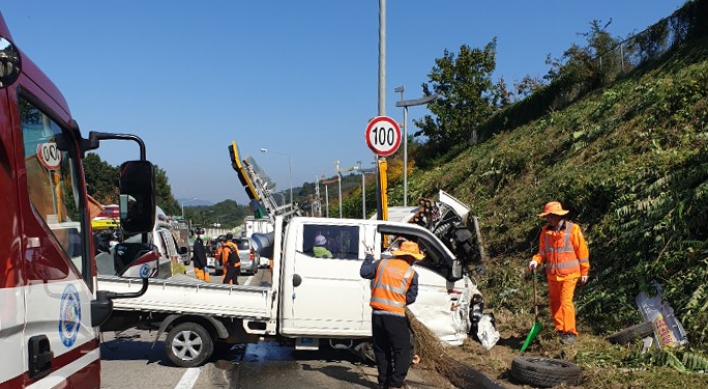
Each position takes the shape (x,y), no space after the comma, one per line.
(61,346)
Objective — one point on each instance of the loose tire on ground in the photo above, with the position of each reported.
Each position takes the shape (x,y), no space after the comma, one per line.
(189,345)
(545,372)
(628,334)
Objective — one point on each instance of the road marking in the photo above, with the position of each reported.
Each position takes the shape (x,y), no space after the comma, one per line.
(248,280)
(189,378)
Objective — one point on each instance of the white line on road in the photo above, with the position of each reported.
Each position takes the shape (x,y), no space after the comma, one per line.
(189,378)
(248,280)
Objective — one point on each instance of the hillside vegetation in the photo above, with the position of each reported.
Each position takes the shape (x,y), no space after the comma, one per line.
(630,162)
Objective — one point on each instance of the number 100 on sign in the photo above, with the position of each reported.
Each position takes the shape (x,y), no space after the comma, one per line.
(383,136)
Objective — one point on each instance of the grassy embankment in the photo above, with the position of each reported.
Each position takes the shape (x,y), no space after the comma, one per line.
(630,162)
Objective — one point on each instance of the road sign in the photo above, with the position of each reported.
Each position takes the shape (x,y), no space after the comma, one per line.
(49,155)
(383,136)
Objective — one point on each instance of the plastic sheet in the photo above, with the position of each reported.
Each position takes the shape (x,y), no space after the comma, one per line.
(486,332)
(668,331)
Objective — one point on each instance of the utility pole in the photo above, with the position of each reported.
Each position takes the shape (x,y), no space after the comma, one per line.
(382,93)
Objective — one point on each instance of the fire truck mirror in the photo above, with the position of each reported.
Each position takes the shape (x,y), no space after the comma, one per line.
(136,260)
(10,63)
(137,197)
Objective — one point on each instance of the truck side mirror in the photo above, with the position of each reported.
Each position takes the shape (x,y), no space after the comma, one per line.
(10,63)
(137,197)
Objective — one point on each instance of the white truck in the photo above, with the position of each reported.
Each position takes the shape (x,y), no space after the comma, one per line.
(310,302)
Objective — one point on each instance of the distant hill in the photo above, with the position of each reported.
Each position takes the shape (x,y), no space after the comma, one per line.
(194,203)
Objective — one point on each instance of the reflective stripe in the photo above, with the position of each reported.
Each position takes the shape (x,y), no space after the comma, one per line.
(388,302)
(560,260)
(563,265)
(389,287)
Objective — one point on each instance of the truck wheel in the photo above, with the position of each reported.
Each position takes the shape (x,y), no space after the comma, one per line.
(630,333)
(189,345)
(545,372)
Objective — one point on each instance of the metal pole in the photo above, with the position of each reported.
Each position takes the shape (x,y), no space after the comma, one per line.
(382,92)
(382,57)
(317,196)
(340,194)
(405,155)
(327,198)
(402,89)
(363,196)
(290,166)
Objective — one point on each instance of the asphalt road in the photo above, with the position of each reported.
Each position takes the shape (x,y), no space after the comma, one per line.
(129,360)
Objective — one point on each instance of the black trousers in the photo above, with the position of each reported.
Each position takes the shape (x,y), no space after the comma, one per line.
(392,347)
(232,274)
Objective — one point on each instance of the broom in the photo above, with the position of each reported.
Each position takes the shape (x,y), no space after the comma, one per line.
(431,351)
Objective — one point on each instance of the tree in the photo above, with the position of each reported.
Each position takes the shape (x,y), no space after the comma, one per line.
(163,193)
(467,96)
(597,63)
(101,179)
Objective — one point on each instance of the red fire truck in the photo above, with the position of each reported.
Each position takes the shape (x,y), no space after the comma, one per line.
(50,305)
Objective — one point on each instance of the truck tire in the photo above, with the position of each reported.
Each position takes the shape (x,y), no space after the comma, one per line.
(545,372)
(189,345)
(628,334)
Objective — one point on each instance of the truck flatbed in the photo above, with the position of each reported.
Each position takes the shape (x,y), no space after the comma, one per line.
(182,295)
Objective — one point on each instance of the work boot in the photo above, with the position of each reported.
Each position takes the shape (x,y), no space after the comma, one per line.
(568,338)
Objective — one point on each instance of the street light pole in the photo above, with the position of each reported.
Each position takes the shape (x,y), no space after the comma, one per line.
(400,90)
(363,173)
(405,104)
(363,193)
(183,201)
(339,174)
(327,198)
(290,169)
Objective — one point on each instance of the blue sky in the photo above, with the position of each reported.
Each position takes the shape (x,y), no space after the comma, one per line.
(296,77)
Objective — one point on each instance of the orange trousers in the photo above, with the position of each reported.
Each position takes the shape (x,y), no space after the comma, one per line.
(562,308)
(202,275)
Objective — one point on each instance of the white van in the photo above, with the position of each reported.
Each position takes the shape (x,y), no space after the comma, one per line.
(170,261)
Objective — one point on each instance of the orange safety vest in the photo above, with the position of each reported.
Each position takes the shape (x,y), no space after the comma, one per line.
(564,252)
(389,287)
(228,249)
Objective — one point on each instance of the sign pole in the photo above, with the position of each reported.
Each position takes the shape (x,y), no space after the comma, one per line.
(383,136)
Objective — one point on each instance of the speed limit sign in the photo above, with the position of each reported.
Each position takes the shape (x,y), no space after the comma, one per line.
(383,136)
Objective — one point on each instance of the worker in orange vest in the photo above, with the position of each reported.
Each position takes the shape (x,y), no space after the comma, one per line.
(231,260)
(394,286)
(564,252)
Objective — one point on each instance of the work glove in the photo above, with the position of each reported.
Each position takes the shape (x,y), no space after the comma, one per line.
(532,265)
(584,279)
